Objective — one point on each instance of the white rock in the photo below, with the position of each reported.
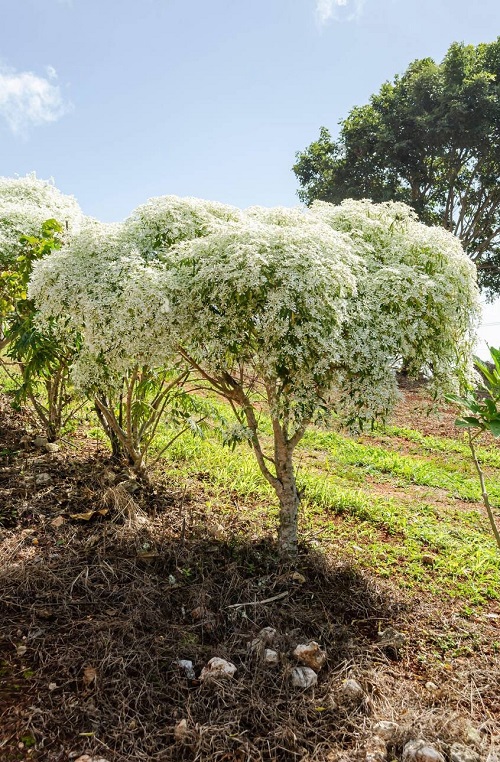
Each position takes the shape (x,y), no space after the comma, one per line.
(386,729)
(43,480)
(187,667)
(87,758)
(311,655)
(376,750)
(391,638)
(130,485)
(352,690)
(461,753)
(270,657)
(51,447)
(217,669)
(474,736)
(431,686)
(421,751)
(181,731)
(266,637)
(303,677)
(493,757)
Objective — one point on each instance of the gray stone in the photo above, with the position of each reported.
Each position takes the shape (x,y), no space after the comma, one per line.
(303,677)
(187,667)
(40,441)
(461,753)
(270,657)
(386,729)
(43,480)
(493,756)
(130,485)
(352,690)
(431,686)
(391,638)
(421,751)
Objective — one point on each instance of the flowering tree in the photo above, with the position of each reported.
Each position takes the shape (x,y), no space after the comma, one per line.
(293,313)
(285,311)
(26,203)
(108,287)
(35,219)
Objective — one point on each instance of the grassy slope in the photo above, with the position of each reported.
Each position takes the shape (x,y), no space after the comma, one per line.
(398,502)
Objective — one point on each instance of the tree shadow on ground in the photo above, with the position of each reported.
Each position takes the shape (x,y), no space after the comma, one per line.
(103,613)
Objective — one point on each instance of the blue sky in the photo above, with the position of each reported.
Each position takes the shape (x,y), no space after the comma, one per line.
(120,100)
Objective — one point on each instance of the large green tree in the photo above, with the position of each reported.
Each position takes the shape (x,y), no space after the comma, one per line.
(430,138)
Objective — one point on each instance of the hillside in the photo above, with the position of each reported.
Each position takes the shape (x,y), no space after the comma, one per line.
(105,583)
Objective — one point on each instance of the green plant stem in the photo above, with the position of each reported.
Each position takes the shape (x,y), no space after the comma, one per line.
(484,493)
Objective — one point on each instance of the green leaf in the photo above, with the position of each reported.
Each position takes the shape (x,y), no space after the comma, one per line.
(468,422)
(494,427)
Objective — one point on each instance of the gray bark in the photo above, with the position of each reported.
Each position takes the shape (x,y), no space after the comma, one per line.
(286,489)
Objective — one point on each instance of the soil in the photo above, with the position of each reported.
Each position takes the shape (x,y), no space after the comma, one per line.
(105,584)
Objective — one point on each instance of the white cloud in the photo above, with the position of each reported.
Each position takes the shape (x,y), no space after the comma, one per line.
(338,10)
(27,100)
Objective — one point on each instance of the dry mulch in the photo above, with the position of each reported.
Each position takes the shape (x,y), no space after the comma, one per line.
(95,612)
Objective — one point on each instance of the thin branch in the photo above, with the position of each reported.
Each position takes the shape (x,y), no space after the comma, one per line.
(486,499)
(278,597)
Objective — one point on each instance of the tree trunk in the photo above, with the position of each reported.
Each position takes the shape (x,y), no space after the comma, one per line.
(116,446)
(288,495)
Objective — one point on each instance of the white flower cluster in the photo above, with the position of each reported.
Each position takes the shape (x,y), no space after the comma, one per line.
(318,303)
(27,202)
(417,302)
(271,298)
(100,286)
(164,221)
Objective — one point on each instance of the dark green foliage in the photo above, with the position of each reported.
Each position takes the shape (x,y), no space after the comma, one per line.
(43,356)
(15,277)
(484,404)
(430,138)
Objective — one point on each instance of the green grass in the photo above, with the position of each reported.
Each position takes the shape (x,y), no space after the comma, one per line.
(366,499)
(424,546)
(456,477)
(489,456)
